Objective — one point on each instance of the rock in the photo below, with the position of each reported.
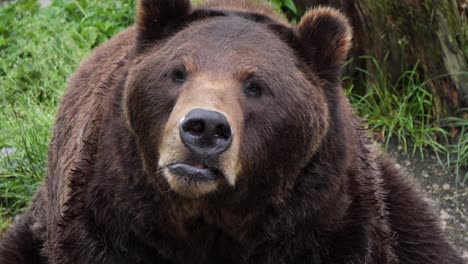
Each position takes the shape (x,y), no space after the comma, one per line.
(425,174)
(443,224)
(45,3)
(444,215)
(446,187)
(7,151)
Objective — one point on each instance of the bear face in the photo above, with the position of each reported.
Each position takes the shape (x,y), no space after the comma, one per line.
(215,103)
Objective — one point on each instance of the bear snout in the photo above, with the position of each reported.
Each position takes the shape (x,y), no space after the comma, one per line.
(199,149)
(205,133)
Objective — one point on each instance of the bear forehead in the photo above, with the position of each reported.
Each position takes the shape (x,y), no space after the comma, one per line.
(214,41)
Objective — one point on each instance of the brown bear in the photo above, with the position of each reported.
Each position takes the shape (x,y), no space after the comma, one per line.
(219,133)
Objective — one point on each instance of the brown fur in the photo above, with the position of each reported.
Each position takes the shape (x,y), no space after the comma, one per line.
(303,183)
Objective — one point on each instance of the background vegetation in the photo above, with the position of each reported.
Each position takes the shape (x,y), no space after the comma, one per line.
(40,48)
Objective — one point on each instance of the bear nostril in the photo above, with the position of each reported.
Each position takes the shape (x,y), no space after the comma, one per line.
(223,131)
(195,127)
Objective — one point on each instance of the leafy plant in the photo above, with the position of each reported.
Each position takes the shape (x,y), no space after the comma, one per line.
(402,110)
(457,156)
(287,6)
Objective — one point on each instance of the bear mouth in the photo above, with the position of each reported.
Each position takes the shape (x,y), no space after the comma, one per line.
(195,173)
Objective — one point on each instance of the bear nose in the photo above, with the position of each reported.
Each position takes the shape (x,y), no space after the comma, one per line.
(206,133)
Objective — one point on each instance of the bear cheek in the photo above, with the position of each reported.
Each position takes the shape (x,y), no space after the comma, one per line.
(145,111)
(284,135)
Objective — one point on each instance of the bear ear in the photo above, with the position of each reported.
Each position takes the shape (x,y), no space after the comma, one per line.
(154,18)
(325,37)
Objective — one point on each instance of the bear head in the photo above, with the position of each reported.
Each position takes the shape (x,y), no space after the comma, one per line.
(226,98)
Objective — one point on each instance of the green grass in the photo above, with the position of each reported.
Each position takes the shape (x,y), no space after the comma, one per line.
(40,48)
(403,109)
(457,151)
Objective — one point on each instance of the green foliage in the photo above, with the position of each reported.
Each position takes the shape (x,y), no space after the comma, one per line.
(52,40)
(26,137)
(457,156)
(40,47)
(287,6)
(404,110)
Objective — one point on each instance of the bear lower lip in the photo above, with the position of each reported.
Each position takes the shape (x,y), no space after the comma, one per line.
(196,173)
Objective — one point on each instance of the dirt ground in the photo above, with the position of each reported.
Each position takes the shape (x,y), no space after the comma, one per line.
(449,196)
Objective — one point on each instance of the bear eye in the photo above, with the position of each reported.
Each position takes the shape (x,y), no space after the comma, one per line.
(179,75)
(252,89)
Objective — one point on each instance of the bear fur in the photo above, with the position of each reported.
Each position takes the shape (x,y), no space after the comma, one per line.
(302,182)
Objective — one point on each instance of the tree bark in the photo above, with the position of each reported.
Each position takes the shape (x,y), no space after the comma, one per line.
(432,34)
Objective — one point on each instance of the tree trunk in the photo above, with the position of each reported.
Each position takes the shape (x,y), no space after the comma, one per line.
(432,34)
